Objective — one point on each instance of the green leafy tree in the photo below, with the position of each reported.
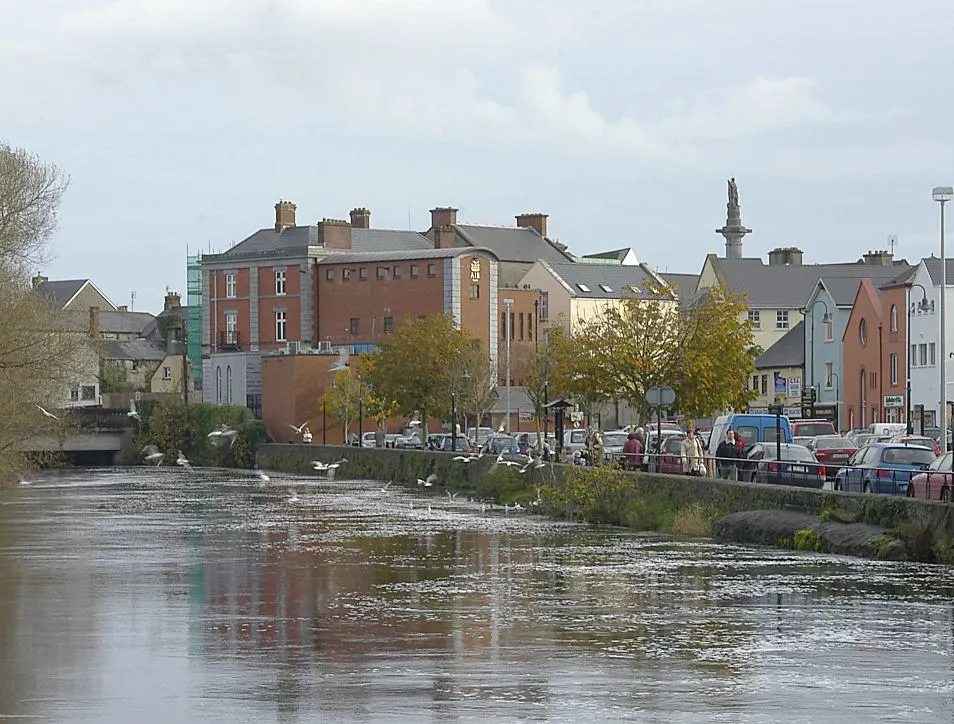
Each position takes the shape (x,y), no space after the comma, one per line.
(344,396)
(412,366)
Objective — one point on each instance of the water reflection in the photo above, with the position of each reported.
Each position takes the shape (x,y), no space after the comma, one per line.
(174,597)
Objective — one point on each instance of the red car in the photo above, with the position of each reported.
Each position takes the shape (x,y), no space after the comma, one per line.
(671,461)
(935,482)
(832,451)
(921,440)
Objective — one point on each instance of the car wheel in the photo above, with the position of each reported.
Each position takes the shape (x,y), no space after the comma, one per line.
(945,495)
(867,487)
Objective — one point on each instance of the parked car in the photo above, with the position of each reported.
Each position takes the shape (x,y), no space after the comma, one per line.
(883,467)
(935,482)
(670,459)
(435,440)
(498,443)
(368,439)
(812,428)
(832,451)
(408,441)
(573,440)
(922,440)
(860,438)
(389,439)
(613,442)
(796,465)
(478,435)
(462,444)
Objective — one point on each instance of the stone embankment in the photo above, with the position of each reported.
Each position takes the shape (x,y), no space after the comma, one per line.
(871,526)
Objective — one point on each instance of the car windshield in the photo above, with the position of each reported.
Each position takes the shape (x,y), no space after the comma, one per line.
(813,429)
(798,453)
(614,439)
(942,463)
(833,443)
(913,455)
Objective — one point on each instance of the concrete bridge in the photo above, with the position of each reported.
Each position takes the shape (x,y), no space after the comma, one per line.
(97,439)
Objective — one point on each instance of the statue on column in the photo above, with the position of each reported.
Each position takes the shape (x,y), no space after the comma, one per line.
(733,193)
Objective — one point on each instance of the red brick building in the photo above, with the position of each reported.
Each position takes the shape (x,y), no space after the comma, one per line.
(863,342)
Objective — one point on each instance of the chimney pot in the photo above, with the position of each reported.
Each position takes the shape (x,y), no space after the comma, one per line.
(535,221)
(284,215)
(360,218)
(173,301)
(443,216)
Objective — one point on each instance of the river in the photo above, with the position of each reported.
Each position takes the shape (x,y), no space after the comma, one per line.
(163,595)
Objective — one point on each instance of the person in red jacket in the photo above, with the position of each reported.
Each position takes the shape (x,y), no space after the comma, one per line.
(633,450)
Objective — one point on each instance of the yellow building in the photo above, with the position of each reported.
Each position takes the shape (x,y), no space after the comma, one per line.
(779,374)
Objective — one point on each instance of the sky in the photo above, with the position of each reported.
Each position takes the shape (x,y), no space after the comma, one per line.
(180,123)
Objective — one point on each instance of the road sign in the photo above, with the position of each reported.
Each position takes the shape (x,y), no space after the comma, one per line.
(660,396)
(894,400)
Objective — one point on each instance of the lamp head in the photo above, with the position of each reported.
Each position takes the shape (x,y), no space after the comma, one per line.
(826,318)
(923,305)
(942,193)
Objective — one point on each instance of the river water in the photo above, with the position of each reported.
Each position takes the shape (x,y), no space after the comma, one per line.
(162,595)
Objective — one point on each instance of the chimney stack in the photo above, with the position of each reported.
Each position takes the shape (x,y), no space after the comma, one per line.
(360,218)
(173,301)
(443,216)
(284,215)
(94,322)
(879,257)
(38,280)
(785,256)
(445,237)
(537,222)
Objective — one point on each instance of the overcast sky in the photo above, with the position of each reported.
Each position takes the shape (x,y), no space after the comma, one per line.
(182,122)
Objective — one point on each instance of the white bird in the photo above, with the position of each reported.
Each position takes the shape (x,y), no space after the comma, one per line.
(386,486)
(301,428)
(511,463)
(344,360)
(294,496)
(518,507)
(428,481)
(263,477)
(47,413)
(133,412)
(451,496)
(223,432)
(181,460)
(464,458)
(153,455)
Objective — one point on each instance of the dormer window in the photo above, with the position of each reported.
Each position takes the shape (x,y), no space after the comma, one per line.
(584,288)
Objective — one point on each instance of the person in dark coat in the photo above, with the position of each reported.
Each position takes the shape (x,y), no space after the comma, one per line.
(727,457)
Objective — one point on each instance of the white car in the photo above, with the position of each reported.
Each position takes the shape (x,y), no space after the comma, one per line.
(368,439)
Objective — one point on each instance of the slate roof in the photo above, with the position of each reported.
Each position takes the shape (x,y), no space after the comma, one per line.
(790,286)
(933,265)
(616,254)
(351,257)
(138,350)
(512,244)
(296,240)
(789,351)
(616,279)
(685,284)
(62,291)
(124,322)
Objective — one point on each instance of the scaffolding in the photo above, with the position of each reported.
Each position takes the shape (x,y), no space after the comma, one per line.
(194,324)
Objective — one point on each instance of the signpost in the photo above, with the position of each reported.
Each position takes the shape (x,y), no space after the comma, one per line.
(808,402)
(659,397)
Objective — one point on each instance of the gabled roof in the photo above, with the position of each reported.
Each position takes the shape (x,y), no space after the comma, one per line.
(124,322)
(296,240)
(512,244)
(933,265)
(789,351)
(617,255)
(369,257)
(135,350)
(788,286)
(684,284)
(62,292)
(866,290)
(598,281)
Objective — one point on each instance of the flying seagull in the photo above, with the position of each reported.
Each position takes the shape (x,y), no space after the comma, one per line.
(263,477)
(223,432)
(47,413)
(429,481)
(152,454)
(133,412)
(301,428)
(344,357)
(181,460)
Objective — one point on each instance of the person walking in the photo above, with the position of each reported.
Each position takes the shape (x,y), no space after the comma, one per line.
(632,451)
(727,457)
(691,453)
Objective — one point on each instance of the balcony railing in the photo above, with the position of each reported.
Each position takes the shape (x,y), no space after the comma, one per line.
(229,341)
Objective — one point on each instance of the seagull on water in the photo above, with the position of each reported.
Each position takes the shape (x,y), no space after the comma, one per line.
(263,477)
(152,454)
(294,496)
(428,481)
(181,460)
(451,496)
(386,486)
(47,413)
(133,412)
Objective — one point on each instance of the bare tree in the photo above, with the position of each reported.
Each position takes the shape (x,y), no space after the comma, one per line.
(40,346)
(478,390)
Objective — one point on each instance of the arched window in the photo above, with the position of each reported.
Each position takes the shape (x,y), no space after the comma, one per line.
(894,317)
(228,385)
(218,385)
(863,397)
(863,332)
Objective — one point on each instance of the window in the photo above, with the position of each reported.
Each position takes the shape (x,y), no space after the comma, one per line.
(346,274)
(913,355)
(863,332)
(755,318)
(521,325)
(228,385)
(933,360)
(388,325)
(382,272)
(830,330)
(218,385)
(583,288)
(415,271)
(544,306)
(330,275)
(88,393)
(894,317)
(606,288)
(363,274)
(755,382)
(764,384)
(355,325)
(432,270)
(280,282)
(829,375)
(280,321)
(475,291)
(396,272)
(873,377)
(74,394)
(231,327)
(781,319)
(230,285)
(167,373)
(922,354)
(530,326)
(894,368)
(512,320)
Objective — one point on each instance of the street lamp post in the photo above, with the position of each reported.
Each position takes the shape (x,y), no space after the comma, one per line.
(509,304)
(455,380)
(825,320)
(943,194)
(923,306)
(837,383)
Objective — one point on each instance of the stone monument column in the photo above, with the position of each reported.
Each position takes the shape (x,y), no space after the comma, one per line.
(734,230)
